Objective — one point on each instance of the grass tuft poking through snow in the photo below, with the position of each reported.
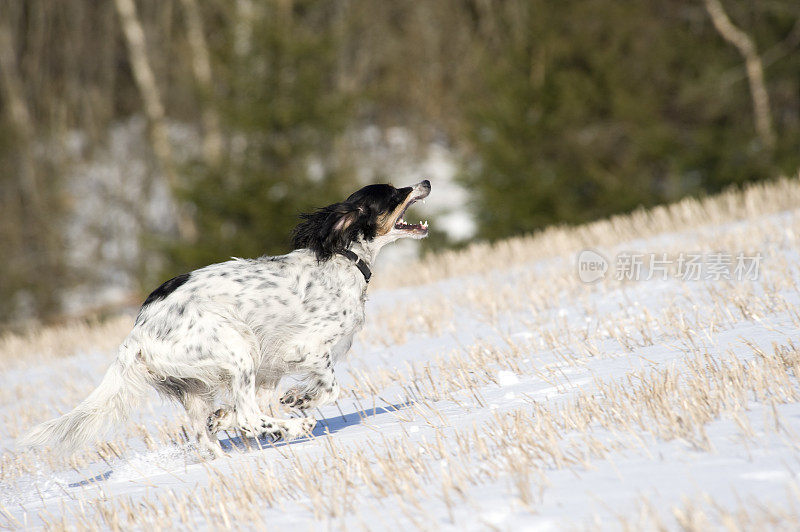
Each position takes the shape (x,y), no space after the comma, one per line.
(496,392)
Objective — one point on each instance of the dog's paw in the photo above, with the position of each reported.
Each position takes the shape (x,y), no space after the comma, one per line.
(222,419)
(299,427)
(289,429)
(269,428)
(297,398)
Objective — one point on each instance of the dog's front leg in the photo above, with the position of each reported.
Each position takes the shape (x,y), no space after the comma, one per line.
(321,387)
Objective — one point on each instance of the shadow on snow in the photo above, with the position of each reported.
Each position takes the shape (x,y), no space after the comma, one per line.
(324,427)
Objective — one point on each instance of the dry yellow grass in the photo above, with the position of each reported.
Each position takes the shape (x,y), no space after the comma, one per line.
(525,444)
(64,340)
(688,214)
(535,339)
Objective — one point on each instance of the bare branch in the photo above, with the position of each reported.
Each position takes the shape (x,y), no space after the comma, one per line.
(201,64)
(12,91)
(754,66)
(153,108)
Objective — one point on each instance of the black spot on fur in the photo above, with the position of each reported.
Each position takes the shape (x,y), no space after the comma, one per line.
(166,289)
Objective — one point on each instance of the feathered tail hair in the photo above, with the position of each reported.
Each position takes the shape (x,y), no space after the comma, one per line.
(110,403)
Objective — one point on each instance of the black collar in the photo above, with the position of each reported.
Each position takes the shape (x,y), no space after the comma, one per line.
(360,264)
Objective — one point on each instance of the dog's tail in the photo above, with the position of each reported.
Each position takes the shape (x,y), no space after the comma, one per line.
(123,384)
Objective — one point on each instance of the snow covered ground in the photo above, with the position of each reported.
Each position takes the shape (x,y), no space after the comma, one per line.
(511,398)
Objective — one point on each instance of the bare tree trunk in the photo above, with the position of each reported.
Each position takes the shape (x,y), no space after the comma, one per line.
(13,91)
(201,64)
(755,70)
(39,227)
(153,108)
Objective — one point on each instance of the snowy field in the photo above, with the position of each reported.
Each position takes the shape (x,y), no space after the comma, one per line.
(492,389)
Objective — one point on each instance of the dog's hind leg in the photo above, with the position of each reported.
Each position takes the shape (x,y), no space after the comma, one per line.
(247,417)
(198,409)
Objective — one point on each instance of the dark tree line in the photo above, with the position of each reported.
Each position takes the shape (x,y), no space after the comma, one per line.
(559,112)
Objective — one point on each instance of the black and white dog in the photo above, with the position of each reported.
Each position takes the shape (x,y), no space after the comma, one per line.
(225,331)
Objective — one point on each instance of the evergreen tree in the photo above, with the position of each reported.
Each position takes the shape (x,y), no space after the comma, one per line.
(281,111)
(596,107)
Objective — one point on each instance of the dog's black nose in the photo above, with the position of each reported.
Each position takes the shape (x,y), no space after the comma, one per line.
(425,183)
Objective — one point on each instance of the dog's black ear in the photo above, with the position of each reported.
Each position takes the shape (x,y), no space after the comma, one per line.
(330,229)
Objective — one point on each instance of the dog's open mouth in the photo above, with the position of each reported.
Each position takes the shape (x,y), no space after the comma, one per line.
(420,228)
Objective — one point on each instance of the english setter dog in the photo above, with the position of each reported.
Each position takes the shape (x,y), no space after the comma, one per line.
(225,331)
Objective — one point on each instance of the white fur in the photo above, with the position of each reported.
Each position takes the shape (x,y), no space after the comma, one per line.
(227,331)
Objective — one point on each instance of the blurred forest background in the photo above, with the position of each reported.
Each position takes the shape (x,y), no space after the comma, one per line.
(142,138)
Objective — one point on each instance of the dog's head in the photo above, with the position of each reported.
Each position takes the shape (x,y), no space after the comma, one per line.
(373,213)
